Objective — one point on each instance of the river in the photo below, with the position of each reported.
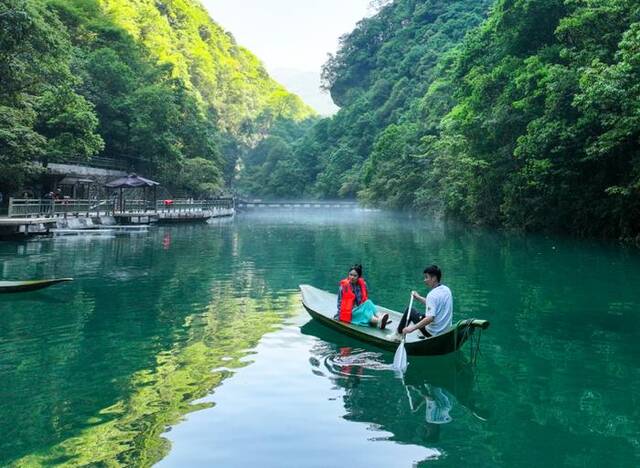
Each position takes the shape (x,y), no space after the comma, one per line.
(188,346)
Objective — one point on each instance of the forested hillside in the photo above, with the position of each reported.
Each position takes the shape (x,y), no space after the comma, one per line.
(530,121)
(380,74)
(155,83)
(544,133)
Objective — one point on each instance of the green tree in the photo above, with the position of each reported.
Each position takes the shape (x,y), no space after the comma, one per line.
(154,141)
(152,84)
(42,116)
(379,77)
(200,176)
(68,122)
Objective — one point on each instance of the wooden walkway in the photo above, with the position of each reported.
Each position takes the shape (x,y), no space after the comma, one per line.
(28,207)
(297,204)
(25,227)
(29,217)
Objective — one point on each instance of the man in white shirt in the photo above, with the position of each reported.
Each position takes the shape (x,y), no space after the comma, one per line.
(438,313)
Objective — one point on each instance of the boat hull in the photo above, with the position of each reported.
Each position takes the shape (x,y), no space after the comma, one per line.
(33,285)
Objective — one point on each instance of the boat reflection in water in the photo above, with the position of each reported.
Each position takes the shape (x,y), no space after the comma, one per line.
(416,408)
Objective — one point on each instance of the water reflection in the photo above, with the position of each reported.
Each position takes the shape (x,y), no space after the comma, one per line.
(163,393)
(290,417)
(126,347)
(414,408)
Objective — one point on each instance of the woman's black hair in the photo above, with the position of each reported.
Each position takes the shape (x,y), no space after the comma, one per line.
(358,268)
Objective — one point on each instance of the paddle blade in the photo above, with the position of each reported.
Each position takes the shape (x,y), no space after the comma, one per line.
(400,359)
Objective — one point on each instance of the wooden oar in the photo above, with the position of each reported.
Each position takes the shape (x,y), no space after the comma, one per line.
(400,359)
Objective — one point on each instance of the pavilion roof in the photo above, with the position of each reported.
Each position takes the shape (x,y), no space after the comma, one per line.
(131,181)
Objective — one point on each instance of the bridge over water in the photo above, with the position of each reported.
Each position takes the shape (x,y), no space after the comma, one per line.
(297,204)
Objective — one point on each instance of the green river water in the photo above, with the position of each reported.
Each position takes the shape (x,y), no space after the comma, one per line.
(188,346)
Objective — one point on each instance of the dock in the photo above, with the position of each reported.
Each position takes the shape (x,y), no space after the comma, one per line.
(25,227)
(30,217)
(83,232)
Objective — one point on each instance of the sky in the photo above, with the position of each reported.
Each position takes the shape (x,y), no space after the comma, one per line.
(289,34)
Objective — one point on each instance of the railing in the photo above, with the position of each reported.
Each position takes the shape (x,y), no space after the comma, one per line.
(194,205)
(28,207)
(134,205)
(25,207)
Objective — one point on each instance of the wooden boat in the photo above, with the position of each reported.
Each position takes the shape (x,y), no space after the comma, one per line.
(321,305)
(32,285)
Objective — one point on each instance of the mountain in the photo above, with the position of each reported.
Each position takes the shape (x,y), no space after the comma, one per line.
(307,85)
(383,69)
(228,77)
(515,113)
(155,83)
